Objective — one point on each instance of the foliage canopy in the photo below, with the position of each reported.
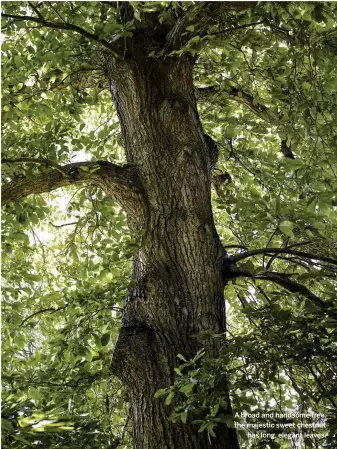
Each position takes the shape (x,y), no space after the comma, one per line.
(265,79)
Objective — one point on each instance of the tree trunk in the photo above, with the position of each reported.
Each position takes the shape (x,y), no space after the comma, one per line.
(178,288)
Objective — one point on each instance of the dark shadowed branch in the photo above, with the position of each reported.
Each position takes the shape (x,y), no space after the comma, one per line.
(282,279)
(288,284)
(247,99)
(49,309)
(240,96)
(304,255)
(206,17)
(210,12)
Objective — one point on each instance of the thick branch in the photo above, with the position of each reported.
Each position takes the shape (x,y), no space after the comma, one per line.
(174,36)
(293,252)
(61,26)
(248,100)
(209,14)
(220,7)
(235,28)
(288,284)
(205,17)
(202,19)
(238,95)
(291,286)
(116,181)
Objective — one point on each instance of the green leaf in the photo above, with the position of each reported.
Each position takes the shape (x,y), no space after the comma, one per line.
(84,168)
(169,398)
(187,388)
(183,417)
(160,393)
(18,61)
(324,208)
(287,228)
(311,205)
(6,425)
(34,393)
(34,277)
(105,339)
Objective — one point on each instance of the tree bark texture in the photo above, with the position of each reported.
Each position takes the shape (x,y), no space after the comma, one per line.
(178,283)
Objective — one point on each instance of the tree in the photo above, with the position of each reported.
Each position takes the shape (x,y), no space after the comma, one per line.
(238,95)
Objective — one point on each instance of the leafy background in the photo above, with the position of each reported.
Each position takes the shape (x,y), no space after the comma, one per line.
(265,76)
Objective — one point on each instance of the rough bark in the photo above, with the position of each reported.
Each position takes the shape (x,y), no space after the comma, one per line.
(118,182)
(177,273)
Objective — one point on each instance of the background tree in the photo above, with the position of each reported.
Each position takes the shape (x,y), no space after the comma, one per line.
(238,95)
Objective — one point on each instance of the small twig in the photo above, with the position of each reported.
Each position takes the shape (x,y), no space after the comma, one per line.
(55,10)
(64,224)
(318,380)
(306,242)
(37,12)
(125,426)
(268,243)
(239,27)
(49,309)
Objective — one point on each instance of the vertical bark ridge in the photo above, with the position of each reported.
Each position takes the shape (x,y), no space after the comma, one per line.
(178,288)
